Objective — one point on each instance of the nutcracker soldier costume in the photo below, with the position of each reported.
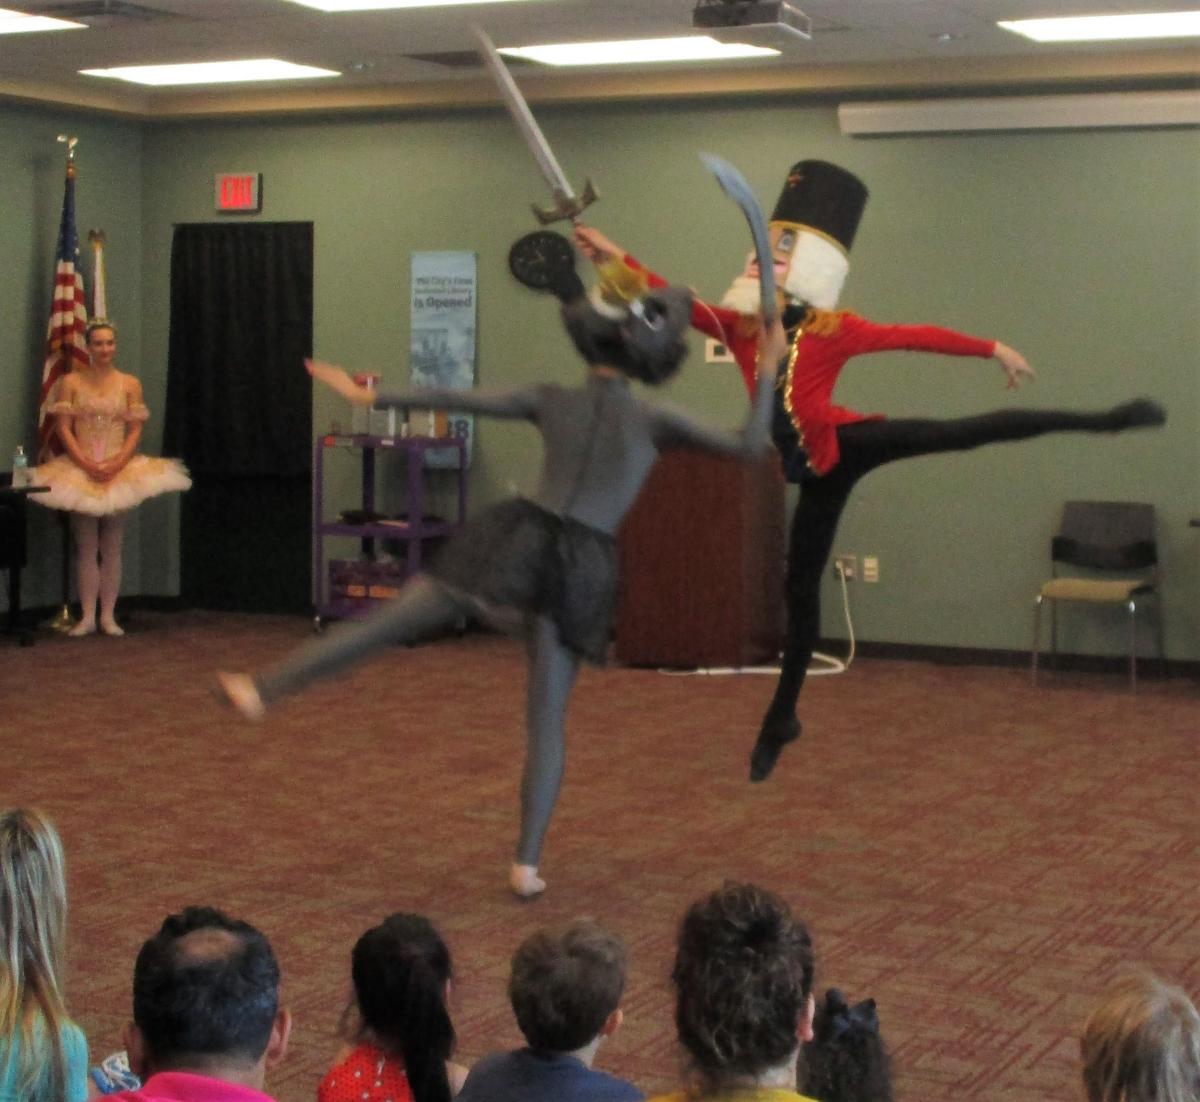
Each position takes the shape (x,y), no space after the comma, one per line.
(825,448)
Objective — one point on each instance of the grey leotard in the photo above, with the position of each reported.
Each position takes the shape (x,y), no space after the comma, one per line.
(600,441)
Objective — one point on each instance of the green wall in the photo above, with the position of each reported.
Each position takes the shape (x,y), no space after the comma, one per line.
(1080,249)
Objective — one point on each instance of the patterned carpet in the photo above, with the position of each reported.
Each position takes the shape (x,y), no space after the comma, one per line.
(979,856)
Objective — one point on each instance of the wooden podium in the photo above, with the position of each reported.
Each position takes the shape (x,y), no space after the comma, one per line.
(702,562)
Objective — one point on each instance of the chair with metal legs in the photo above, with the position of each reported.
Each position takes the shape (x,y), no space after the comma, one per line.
(1102,538)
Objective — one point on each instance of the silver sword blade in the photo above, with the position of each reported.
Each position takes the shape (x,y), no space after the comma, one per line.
(733,184)
(523,117)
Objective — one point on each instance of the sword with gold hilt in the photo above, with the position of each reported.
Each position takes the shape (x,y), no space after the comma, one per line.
(567,205)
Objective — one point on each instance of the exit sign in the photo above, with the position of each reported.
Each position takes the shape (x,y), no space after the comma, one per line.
(238,192)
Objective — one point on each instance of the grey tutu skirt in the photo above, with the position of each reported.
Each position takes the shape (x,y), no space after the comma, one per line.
(516,559)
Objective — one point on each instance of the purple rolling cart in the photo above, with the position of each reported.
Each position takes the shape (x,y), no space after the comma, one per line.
(351,588)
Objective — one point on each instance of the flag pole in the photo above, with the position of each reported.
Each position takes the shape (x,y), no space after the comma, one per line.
(97,239)
(62,621)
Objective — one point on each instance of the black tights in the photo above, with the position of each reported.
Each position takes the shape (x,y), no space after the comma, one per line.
(864,446)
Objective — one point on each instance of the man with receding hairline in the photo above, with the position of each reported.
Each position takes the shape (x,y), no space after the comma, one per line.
(207,1023)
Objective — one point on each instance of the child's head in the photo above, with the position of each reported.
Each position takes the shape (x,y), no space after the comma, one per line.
(33,895)
(33,920)
(566,985)
(401,971)
(846,1060)
(743,980)
(1142,1044)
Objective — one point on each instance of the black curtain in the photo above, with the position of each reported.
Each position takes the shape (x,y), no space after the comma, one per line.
(239,412)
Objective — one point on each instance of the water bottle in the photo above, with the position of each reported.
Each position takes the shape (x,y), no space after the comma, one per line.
(360,416)
(20,469)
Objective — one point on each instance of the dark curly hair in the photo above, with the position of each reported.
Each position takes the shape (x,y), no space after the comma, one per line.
(743,973)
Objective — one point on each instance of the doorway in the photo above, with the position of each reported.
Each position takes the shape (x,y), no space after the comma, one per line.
(239,412)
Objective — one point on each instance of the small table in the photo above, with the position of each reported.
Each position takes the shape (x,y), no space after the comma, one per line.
(12,552)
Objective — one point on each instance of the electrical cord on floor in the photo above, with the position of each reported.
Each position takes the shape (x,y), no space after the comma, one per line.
(824,664)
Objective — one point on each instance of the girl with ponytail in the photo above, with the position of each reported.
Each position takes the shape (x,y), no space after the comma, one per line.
(396,1026)
(43,1054)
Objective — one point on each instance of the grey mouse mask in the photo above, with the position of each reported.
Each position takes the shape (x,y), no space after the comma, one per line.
(647,343)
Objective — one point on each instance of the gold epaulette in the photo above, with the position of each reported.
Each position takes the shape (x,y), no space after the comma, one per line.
(619,283)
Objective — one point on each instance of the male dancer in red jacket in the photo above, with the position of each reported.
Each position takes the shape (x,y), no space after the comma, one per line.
(824,447)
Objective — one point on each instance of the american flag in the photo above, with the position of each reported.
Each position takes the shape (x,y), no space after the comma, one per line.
(66,336)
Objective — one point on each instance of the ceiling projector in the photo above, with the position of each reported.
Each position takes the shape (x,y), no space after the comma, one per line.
(751,20)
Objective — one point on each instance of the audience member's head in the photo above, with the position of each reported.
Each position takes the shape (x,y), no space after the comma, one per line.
(206,1000)
(846,1060)
(33,922)
(401,971)
(1142,1044)
(743,980)
(566,986)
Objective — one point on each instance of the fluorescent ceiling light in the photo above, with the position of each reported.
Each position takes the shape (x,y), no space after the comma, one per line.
(1100,28)
(638,50)
(212,72)
(388,5)
(16,22)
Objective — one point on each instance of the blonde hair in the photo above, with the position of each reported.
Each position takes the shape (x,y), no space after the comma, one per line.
(33,920)
(1142,1044)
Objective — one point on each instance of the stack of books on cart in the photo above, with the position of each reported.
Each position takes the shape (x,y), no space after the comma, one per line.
(364,579)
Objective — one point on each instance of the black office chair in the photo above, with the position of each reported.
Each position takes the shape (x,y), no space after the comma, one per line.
(1102,537)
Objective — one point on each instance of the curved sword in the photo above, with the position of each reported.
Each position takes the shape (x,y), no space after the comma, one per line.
(566,203)
(733,183)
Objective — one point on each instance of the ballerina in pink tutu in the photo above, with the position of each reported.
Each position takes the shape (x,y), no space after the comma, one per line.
(99,415)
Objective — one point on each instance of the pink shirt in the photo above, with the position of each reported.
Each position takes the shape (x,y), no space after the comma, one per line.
(183,1086)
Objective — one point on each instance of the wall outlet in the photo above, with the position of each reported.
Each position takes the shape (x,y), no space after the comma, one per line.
(845,566)
(870,568)
(716,353)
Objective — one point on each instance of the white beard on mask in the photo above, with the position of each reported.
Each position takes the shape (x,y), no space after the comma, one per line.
(744,295)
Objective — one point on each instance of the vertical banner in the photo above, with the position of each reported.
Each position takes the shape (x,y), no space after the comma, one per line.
(443,335)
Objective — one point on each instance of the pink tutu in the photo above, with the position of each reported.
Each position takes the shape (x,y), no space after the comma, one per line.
(140,478)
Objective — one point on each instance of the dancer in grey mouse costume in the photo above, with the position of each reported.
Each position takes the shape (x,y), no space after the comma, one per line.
(545,565)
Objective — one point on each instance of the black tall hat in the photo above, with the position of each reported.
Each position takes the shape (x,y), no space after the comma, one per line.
(823,197)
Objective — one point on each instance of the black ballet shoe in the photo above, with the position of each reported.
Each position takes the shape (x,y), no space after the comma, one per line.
(1140,413)
(772,738)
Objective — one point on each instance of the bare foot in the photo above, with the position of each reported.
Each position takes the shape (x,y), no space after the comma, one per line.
(84,627)
(239,691)
(111,627)
(525,882)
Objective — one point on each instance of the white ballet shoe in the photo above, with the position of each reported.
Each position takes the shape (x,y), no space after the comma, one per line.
(84,627)
(239,692)
(111,627)
(525,882)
